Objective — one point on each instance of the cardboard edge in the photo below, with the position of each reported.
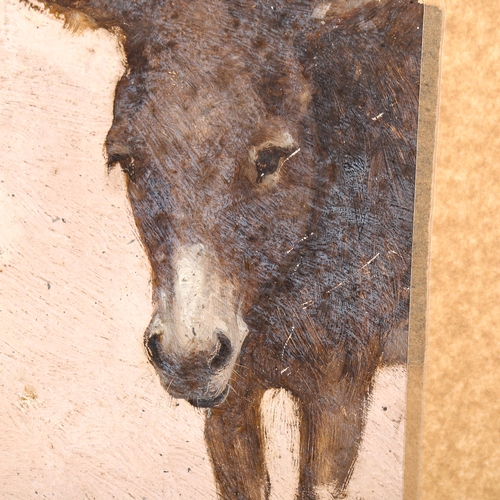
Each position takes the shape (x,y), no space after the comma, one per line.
(426,147)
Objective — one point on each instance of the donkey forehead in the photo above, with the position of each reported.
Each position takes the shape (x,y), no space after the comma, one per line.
(203,84)
(184,74)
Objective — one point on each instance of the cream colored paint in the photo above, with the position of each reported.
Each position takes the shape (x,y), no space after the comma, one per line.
(282,442)
(202,302)
(82,414)
(192,295)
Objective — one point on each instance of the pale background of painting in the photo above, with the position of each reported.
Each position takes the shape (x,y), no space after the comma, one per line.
(81,413)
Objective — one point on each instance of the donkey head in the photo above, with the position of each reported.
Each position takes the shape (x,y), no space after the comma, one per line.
(213,130)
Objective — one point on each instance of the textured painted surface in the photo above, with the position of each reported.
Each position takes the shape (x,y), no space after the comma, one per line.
(87,414)
(460,457)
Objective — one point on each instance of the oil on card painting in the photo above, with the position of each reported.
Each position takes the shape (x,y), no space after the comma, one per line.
(206,247)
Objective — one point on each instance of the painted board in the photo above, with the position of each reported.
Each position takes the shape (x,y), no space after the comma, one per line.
(262,194)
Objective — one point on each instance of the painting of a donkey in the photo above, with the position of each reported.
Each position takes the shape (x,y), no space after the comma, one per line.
(269,150)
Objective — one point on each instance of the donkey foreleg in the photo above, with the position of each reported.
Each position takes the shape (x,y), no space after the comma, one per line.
(235,445)
(331,431)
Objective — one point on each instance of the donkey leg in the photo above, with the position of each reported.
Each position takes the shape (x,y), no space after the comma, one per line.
(235,445)
(331,430)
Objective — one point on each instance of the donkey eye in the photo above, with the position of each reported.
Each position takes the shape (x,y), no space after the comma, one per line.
(126,163)
(269,160)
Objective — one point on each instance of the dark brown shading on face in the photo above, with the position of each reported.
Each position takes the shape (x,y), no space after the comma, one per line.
(270,155)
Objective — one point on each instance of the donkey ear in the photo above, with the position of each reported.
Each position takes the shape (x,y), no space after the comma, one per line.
(79,15)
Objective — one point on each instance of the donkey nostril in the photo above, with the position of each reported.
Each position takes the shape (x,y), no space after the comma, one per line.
(223,353)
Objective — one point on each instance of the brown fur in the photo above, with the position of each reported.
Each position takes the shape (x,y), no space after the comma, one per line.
(319,247)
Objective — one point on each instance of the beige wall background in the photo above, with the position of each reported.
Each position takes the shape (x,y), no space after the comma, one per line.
(461,440)
(123,430)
